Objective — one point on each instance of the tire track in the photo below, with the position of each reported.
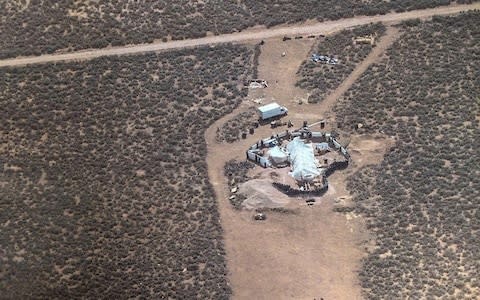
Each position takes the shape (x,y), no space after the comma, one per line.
(245,36)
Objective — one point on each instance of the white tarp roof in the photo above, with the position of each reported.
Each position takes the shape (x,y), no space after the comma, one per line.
(302,160)
(277,155)
(323,146)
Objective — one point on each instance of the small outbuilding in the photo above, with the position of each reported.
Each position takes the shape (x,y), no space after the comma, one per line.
(277,156)
(322,147)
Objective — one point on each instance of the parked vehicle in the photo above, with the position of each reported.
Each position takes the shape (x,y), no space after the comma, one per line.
(272,110)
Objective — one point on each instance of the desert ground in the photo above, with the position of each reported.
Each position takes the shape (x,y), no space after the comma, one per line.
(314,252)
(253,34)
(386,216)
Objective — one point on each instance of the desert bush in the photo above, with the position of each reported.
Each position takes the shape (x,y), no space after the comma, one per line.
(236,171)
(233,128)
(104,187)
(47,26)
(321,79)
(420,201)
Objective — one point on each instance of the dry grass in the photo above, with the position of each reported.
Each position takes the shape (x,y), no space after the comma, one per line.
(321,79)
(420,202)
(104,187)
(39,27)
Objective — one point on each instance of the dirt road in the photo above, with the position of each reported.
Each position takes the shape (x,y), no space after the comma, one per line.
(248,35)
(385,42)
(315,252)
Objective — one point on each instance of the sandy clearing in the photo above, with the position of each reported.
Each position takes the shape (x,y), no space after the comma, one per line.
(314,252)
(260,33)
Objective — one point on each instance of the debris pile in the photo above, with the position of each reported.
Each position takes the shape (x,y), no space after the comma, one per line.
(292,192)
(237,173)
(366,39)
(260,217)
(324,59)
(258,84)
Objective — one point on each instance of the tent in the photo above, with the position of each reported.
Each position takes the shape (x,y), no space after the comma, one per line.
(302,159)
(277,155)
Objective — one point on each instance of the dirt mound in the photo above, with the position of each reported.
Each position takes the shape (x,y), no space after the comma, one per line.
(261,194)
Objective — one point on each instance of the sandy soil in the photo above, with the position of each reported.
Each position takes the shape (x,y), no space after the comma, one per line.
(260,193)
(258,33)
(313,252)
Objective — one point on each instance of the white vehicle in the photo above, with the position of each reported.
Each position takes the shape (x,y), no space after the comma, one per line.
(272,110)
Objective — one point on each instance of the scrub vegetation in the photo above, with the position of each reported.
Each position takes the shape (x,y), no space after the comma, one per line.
(421,203)
(34,27)
(233,128)
(103,183)
(319,78)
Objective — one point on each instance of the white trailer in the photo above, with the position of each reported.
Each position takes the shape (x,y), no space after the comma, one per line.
(272,110)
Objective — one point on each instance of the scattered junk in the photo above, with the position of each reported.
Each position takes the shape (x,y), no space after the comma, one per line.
(300,100)
(257,100)
(322,148)
(277,123)
(260,217)
(257,84)
(272,110)
(284,54)
(311,156)
(290,124)
(366,39)
(324,59)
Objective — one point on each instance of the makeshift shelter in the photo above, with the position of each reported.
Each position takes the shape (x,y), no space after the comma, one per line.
(322,147)
(277,156)
(302,160)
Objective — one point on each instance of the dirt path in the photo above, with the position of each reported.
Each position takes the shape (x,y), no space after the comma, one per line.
(385,42)
(251,34)
(311,254)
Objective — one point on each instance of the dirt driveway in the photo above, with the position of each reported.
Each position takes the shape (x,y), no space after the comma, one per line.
(315,252)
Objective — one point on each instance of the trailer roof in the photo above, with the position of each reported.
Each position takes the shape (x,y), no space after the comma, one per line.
(268,107)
